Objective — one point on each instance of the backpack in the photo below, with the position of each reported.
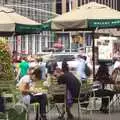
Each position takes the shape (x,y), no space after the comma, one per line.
(87,70)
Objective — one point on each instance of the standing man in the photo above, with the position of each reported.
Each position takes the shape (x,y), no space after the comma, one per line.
(81,64)
(23,68)
(72,88)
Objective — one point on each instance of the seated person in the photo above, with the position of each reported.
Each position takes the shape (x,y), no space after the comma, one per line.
(27,88)
(72,84)
(101,80)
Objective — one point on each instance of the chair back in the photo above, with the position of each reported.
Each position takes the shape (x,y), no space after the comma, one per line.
(57,91)
(85,88)
(85,92)
(7,86)
(88,98)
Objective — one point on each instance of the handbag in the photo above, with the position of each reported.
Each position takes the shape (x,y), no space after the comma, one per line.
(95,103)
(117,82)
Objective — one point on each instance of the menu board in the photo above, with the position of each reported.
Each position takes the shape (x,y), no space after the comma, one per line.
(104,49)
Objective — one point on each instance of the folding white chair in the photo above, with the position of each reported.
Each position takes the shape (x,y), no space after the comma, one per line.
(56,97)
(84,102)
(89,103)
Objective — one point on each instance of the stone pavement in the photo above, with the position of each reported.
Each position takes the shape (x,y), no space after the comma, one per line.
(53,115)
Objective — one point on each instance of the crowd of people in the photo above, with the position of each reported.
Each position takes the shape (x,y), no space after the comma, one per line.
(28,72)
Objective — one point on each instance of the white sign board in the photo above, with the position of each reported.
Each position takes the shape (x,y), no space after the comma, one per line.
(105,52)
(105,48)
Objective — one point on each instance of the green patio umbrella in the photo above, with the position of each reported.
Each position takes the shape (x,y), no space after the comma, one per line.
(13,23)
(88,16)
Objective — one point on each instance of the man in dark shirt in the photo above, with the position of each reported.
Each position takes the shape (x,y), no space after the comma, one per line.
(51,65)
(72,85)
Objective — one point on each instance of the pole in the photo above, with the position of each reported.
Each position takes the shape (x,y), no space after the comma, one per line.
(93,54)
(70,5)
(70,36)
(84,42)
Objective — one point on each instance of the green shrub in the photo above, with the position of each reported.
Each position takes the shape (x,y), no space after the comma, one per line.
(6,67)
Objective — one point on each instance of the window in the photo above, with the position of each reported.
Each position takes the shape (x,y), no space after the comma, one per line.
(29,12)
(21,1)
(37,43)
(66,57)
(23,43)
(6,2)
(30,44)
(58,6)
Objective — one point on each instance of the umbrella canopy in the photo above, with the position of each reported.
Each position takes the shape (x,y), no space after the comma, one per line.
(88,16)
(11,22)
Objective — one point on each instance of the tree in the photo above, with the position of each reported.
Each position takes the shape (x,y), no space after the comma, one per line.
(6,68)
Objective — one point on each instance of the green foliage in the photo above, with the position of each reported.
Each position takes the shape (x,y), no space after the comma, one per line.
(6,68)
(15,115)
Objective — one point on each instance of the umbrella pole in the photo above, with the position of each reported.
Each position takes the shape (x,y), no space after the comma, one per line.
(93,53)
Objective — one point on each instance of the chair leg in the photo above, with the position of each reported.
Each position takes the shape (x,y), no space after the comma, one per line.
(91,114)
(37,113)
(27,112)
(78,112)
(50,107)
(109,109)
(58,110)
(7,117)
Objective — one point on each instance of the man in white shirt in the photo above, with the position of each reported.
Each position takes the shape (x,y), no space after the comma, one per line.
(81,68)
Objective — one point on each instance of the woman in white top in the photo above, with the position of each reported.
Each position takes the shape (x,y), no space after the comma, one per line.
(26,86)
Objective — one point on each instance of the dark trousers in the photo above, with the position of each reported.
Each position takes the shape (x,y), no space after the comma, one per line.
(102,93)
(42,100)
(2,107)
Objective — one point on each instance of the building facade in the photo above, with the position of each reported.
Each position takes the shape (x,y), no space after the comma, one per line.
(115,4)
(38,10)
(111,3)
(78,40)
(41,11)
